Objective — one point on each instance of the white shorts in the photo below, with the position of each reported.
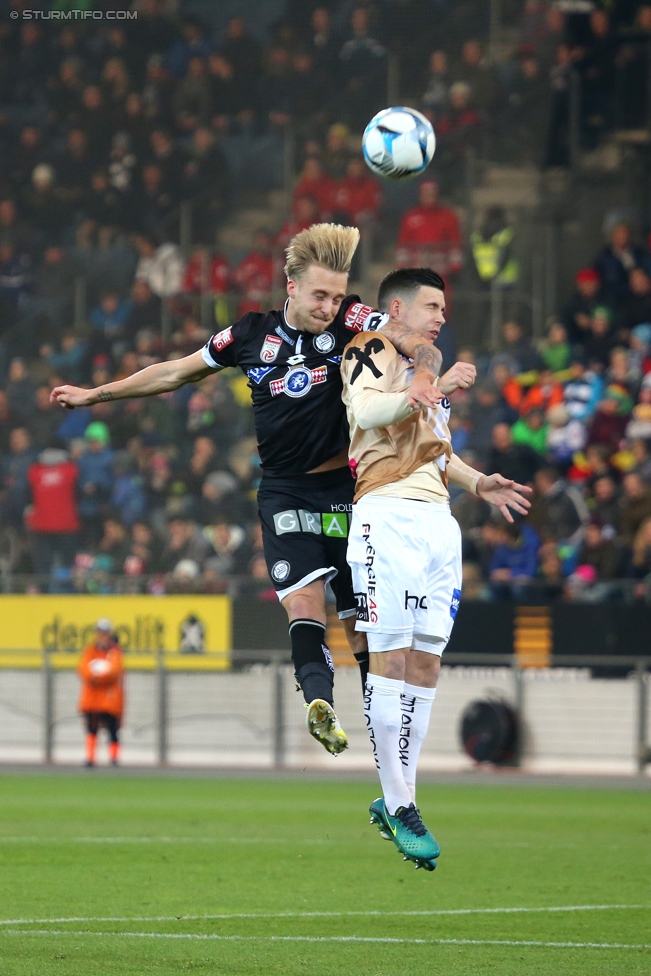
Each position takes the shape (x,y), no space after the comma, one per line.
(405,558)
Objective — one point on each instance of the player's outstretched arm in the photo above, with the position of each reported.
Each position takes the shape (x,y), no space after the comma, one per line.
(159,378)
(460,377)
(504,494)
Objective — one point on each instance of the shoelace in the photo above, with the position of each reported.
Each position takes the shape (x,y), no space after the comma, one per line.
(410,818)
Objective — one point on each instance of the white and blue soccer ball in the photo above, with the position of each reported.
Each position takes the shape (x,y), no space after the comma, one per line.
(398,143)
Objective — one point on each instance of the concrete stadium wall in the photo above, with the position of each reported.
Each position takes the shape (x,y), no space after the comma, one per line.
(572,722)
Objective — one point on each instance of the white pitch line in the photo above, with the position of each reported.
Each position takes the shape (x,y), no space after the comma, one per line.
(350,914)
(161,840)
(519,943)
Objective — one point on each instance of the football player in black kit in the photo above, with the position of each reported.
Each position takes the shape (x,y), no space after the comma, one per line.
(292,358)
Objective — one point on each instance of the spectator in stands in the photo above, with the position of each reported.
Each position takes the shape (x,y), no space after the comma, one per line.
(599,550)
(191,100)
(518,462)
(587,297)
(492,249)
(474,71)
(486,410)
(546,392)
(21,390)
(51,298)
(305,212)
(336,155)
(184,541)
(600,339)
(604,505)
(636,506)
(435,96)
(565,436)
(430,234)
(225,98)
(155,200)
(254,275)
(457,131)
(160,267)
(519,347)
(14,493)
(241,50)
(514,564)
(44,425)
(639,426)
(44,204)
(114,545)
(558,509)
(609,422)
(556,351)
(531,430)
(636,310)
(363,67)
(615,263)
(206,273)
(52,520)
(526,102)
(230,553)
(145,308)
(69,359)
(95,478)
(194,43)
(314,182)
(583,391)
(358,197)
(109,318)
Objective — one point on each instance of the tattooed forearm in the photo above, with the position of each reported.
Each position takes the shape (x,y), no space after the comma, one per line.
(414,346)
(427,357)
(104,396)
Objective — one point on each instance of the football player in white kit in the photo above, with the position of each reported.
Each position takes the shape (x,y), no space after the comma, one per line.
(404,547)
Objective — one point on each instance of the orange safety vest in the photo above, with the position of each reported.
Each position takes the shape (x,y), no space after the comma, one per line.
(101,692)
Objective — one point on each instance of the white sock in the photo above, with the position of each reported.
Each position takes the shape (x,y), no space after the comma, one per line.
(383,719)
(416,706)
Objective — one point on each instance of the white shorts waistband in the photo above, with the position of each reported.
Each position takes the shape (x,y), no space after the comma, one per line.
(413,504)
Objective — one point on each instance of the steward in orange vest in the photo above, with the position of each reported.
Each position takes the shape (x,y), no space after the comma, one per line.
(102,694)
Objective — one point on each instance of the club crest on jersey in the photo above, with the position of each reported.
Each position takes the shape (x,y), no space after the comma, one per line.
(298,381)
(324,342)
(270,348)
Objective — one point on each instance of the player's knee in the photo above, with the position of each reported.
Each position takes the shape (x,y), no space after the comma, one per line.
(305,604)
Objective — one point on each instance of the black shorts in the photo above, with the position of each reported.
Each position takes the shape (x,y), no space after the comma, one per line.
(94,720)
(305,521)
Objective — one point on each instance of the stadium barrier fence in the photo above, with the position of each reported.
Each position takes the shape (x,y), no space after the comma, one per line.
(572,718)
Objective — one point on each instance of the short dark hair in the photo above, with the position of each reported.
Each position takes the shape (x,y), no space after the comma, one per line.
(404,283)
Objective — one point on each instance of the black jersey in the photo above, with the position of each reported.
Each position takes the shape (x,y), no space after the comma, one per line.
(300,418)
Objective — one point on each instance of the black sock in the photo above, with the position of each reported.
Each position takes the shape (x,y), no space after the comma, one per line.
(312,661)
(362,659)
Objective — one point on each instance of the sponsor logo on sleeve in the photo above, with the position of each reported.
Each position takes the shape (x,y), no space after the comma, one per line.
(324,342)
(362,607)
(270,348)
(454,605)
(357,315)
(222,339)
(280,571)
(363,357)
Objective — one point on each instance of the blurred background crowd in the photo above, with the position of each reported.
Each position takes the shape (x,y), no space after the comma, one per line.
(153,169)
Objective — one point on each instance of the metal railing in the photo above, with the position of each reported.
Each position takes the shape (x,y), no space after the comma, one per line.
(174,709)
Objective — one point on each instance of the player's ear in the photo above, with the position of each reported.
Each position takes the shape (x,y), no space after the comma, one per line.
(395,308)
(291,287)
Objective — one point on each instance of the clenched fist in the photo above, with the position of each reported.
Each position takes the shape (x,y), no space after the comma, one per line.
(460,377)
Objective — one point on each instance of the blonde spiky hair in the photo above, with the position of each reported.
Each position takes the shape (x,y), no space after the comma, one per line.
(329,245)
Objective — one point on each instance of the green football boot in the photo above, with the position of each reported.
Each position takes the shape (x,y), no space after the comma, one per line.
(323,725)
(378,813)
(411,837)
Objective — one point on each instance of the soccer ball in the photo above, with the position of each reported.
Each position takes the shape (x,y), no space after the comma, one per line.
(398,143)
(99,666)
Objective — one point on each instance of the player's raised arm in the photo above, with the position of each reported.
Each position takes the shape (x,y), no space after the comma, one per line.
(426,358)
(159,378)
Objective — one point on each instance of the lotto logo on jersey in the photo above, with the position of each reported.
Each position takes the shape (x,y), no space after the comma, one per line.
(222,339)
(270,348)
(361,318)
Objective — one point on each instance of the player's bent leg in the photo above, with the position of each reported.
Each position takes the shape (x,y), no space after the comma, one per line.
(313,664)
(359,646)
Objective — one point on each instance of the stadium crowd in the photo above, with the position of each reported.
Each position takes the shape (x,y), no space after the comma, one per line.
(104,130)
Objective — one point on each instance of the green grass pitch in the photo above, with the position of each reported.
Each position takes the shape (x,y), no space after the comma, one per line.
(119,875)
